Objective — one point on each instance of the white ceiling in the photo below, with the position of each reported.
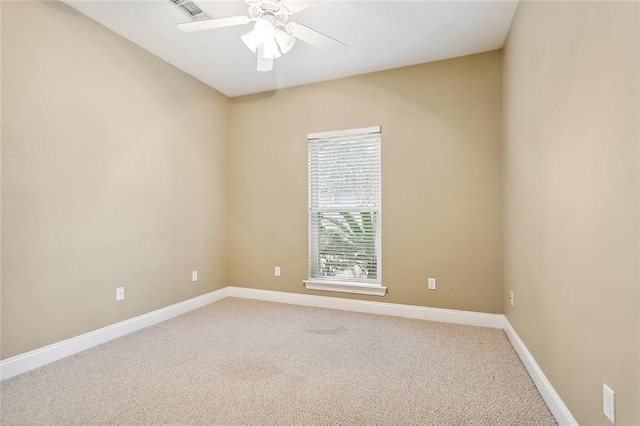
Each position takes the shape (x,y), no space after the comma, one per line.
(380,34)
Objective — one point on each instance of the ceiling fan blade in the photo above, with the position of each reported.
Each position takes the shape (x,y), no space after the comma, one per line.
(209,24)
(295,6)
(313,37)
(264,64)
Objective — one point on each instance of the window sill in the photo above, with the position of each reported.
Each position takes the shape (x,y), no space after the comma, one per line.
(346,287)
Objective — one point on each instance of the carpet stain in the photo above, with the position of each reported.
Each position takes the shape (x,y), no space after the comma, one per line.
(327,330)
(250,368)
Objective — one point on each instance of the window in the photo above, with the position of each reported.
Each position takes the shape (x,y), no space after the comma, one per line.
(345,199)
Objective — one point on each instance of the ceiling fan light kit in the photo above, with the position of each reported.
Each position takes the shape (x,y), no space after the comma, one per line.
(265,32)
(272,34)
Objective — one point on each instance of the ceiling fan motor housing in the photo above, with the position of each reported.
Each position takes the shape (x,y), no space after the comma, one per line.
(275,8)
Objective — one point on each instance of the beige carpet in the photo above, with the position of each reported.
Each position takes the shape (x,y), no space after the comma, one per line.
(248,362)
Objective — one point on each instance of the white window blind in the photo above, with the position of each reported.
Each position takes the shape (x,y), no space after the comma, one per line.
(345,196)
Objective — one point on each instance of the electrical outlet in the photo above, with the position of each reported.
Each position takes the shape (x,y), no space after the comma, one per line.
(119,294)
(511,297)
(431,283)
(194,276)
(608,403)
(277,271)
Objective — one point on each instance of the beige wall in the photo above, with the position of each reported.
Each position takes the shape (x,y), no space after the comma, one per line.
(113,174)
(571,198)
(441,177)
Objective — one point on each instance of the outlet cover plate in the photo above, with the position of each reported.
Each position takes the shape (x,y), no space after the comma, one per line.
(608,403)
(432,283)
(119,294)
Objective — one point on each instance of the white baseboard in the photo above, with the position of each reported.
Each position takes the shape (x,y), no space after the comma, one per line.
(37,358)
(560,411)
(379,308)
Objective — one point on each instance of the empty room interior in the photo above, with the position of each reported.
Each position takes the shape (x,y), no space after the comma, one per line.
(331,212)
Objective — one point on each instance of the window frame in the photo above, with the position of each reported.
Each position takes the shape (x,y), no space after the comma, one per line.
(370,286)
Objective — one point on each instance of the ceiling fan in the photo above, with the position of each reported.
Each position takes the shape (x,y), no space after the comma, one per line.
(273,34)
